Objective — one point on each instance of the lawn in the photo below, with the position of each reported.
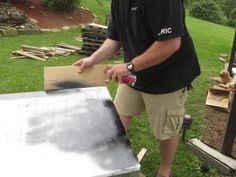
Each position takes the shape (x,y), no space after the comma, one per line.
(100,7)
(24,75)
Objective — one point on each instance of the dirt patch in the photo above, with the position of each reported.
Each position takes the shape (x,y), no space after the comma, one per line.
(214,129)
(53,19)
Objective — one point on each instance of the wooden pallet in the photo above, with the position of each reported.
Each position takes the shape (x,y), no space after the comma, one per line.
(86,39)
(93,36)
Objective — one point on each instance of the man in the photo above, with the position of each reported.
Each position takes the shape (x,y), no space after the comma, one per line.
(159,52)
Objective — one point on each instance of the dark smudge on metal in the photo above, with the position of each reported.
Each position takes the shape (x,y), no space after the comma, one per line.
(69,84)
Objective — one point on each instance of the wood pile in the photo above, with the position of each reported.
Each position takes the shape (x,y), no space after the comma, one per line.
(44,53)
(93,36)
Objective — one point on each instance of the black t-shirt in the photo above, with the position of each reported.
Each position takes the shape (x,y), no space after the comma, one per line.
(137,24)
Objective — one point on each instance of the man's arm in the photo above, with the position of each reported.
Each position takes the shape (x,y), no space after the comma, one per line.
(108,49)
(158,52)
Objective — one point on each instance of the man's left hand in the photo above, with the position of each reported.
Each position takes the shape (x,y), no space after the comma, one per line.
(116,72)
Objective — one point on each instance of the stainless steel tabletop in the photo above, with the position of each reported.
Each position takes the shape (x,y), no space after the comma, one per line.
(67,133)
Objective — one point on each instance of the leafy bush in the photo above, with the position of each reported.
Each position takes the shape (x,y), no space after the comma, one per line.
(207,10)
(232,18)
(233,13)
(189,2)
(64,5)
(230,5)
(221,4)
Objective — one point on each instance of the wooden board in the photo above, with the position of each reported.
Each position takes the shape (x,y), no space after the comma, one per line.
(220,100)
(223,163)
(93,36)
(94,31)
(29,55)
(83,52)
(64,77)
(141,154)
(86,39)
(95,25)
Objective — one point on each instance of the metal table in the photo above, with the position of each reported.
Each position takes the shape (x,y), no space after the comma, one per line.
(67,133)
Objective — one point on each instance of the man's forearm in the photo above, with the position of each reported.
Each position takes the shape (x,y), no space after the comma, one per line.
(156,54)
(108,49)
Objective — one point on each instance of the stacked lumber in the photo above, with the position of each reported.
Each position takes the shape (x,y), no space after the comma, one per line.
(44,53)
(93,36)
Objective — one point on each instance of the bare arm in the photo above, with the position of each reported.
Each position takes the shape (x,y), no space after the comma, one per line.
(108,49)
(158,52)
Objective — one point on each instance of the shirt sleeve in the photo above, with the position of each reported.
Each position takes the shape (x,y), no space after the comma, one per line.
(166,19)
(111,30)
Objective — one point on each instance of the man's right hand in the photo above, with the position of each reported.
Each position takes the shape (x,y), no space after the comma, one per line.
(84,63)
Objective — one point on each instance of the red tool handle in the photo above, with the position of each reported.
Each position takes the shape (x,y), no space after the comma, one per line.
(129,80)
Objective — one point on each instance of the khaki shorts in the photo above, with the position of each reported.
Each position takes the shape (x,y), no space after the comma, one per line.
(165,111)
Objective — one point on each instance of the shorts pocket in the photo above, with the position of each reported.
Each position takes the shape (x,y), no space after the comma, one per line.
(173,122)
(183,93)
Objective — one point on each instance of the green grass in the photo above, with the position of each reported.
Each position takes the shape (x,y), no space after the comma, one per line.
(23,75)
(100,7)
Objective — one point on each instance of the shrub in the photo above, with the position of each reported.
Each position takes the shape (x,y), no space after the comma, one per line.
(230,5)
(232,18)
(189,2)
(233,13)
(64,5)
(207,10)
(221,4)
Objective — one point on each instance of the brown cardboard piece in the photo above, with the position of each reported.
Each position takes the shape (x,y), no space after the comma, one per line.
(218,98)
(65,77)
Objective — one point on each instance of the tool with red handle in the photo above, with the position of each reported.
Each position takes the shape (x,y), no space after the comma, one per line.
(129,80)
